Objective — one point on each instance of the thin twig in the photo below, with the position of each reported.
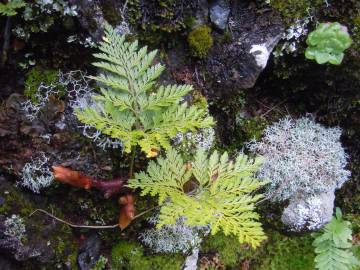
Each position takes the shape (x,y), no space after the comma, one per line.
(272,108)
(87,226)
(145,212)
(74,225)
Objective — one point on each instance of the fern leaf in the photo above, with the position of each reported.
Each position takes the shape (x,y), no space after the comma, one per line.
(222,200)
(131,107)
(333,246)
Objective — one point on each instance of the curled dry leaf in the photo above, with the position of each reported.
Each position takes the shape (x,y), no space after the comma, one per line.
(127,211)
(71,177)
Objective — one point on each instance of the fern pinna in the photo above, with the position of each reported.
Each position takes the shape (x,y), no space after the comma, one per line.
(333,246)
(209,191)
(131,106)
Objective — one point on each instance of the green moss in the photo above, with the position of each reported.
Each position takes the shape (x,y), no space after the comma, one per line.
(35,77)
(278,253)
(292,9)
(249,129)
(129,256)
(284,253)
(200,41)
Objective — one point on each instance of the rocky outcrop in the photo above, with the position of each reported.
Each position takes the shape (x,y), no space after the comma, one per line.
(236,63)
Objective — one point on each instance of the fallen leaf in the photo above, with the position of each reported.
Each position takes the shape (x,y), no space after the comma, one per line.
(71,177)
(127,211)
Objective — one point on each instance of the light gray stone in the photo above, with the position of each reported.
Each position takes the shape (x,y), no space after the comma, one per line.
(309,213)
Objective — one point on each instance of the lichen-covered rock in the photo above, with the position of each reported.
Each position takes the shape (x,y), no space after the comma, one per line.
(309,213)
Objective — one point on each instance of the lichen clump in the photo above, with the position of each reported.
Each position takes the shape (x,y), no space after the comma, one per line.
(301,157)
(200,41)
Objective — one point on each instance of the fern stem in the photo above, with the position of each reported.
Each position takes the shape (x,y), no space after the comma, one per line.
(132,161)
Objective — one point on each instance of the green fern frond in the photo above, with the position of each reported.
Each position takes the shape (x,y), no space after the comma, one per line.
(130,106)
(9,9)
(220,194)
(333,246)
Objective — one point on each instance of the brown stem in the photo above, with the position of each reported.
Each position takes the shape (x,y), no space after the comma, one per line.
(132,161)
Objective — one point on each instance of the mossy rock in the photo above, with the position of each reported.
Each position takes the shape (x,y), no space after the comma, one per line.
(291,9)
(130,256)
(53,242)
(38,75)
(200,41)
(280,252)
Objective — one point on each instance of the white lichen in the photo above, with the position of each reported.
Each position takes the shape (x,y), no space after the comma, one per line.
(15,227)
(190,141)
(293,36)
(172,238)
(42,95)
(36,174)
(301,157)
(260,53)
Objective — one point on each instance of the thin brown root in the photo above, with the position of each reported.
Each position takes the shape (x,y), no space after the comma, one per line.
(74,225)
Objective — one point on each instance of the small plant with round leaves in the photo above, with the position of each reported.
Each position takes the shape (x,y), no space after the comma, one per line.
(327,43)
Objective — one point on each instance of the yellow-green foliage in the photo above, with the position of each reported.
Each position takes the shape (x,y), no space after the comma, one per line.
(9,9)
(200,41)
(327,43)
(130,256)
(210,191)
(295,8)
(131,106)
(35,77)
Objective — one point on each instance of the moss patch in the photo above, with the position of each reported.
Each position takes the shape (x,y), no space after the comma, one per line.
(200,41)
(35,77)
(291,9)
(278,253)
(129,256)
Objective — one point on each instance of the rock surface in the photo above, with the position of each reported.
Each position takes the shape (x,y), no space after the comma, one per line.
(309,213)
(89,252)
(236,63)
(219,13)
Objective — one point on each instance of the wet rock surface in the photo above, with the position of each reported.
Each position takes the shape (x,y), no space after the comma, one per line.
(89,252)
(231,63)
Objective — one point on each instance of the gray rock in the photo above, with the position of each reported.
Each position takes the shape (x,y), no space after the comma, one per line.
(89,252)
(91,17)
(219,13)
(191,260)
(309,213)
(236,63)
